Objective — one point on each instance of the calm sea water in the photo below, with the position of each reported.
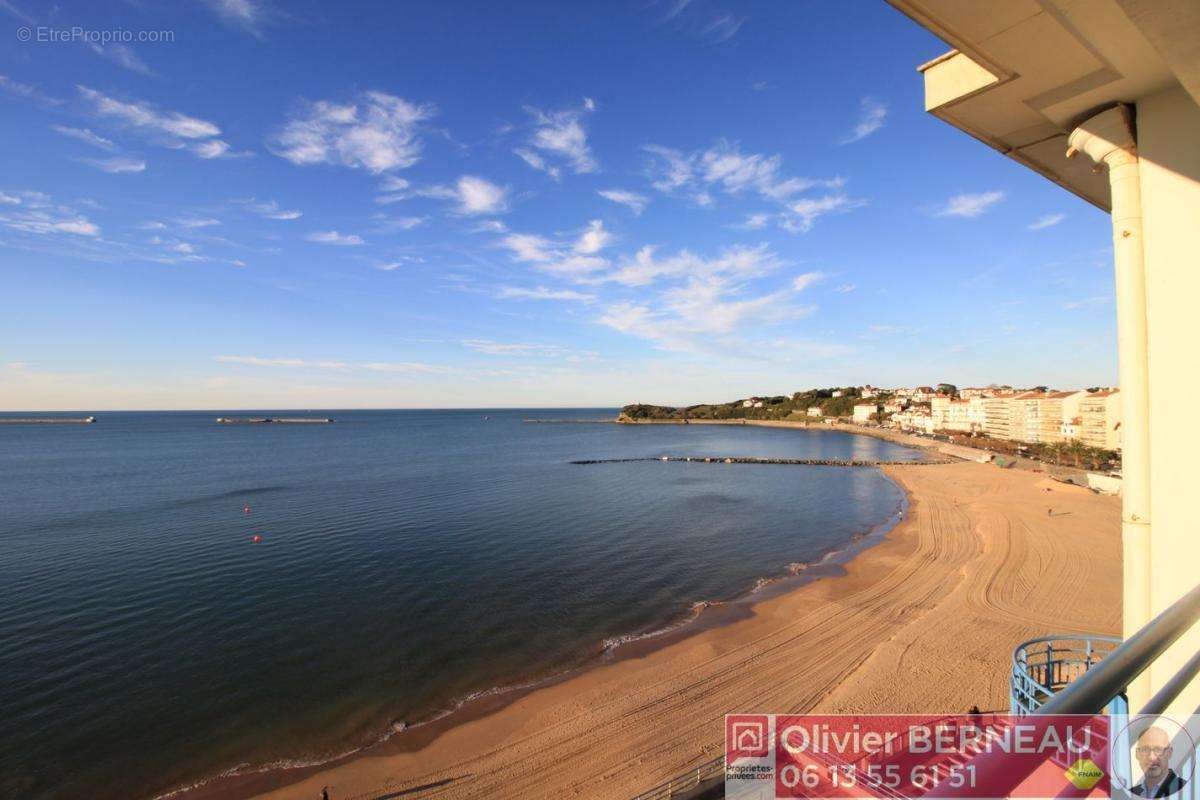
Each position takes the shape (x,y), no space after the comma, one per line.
(408,559)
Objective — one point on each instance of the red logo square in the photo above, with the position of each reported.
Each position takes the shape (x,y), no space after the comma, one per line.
(747,736)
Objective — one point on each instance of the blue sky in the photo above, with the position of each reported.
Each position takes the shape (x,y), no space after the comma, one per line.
(437,204)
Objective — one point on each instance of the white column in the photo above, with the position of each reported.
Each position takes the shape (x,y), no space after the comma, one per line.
(1109,139)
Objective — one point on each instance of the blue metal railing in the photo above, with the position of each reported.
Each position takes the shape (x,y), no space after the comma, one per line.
(1060,675)
(1044,666)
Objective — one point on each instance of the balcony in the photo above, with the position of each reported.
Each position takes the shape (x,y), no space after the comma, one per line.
(1043,667)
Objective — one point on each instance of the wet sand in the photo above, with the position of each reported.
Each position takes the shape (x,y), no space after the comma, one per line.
(923,622)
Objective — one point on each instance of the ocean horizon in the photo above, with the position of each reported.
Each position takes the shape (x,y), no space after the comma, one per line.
(405,562)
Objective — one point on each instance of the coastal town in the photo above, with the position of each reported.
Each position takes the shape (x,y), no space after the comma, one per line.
(1036,416)
(1076,426)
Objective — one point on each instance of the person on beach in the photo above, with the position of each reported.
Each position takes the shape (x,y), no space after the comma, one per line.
(325,793)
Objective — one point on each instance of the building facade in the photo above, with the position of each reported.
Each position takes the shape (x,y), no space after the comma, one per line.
(863,412)
(1100,420)
(997,416)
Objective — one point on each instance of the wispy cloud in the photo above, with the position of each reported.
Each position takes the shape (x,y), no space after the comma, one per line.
(474,196)
(802,214)
(1047,221)
(1087,302)
(246,15)
(753,222)
(722,27)
(146,117)
(197,222)
(37,213)
(537,162)
(335,238)
(123,56)
(674,8)
(726,168)
(376,132)
(708,305)
(85,135)
(970,205)
(636,202)
(216,148)
(269,209)
(741,262)
(519,349)
(386,224)
(846,288)
(490,226)
(698,19)
(117,164)
(575,259)
(807,279)
(872,118)
(477,196)
(543,293)
(593,239)
(561,136)
(28,91)
(11,8)
(368,366)
(401,261)
(696,310)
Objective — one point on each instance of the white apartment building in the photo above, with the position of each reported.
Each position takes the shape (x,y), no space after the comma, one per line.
(1100,420)
(965,416)
(863,412)
(997,415)
(914,419)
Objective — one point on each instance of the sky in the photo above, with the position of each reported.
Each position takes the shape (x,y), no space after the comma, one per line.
(224,204)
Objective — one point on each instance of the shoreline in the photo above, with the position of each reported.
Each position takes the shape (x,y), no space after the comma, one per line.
(904,573)
(704,615)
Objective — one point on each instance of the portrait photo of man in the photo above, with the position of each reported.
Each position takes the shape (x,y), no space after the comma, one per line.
(1153,752)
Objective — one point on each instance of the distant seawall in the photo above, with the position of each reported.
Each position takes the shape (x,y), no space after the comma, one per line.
(47,420)
(273,420)
(808,462)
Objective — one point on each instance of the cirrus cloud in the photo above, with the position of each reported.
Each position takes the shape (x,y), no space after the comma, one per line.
(1047,221)
(376,132)
(636,202)
(335,238)
(969,205)
(560,135)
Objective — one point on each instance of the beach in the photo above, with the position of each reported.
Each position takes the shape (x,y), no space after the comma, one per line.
(924,621)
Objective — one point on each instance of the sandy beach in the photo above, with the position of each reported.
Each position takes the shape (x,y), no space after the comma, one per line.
(924,621)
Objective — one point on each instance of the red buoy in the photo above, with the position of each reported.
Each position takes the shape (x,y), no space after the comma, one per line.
(246,509)
(256,538)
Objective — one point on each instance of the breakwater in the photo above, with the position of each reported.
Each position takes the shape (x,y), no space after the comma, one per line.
(273,420)
(47,420)
(806,462)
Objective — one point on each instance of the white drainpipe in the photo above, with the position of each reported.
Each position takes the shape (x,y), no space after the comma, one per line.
(1110,139)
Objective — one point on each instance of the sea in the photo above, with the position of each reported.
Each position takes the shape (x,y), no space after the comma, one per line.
(181,600)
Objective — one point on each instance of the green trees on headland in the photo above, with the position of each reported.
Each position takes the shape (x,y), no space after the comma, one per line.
(775,407)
